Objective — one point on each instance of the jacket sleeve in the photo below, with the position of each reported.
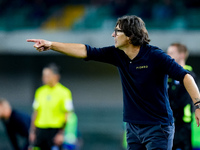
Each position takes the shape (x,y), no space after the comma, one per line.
(105,54)
(170,66)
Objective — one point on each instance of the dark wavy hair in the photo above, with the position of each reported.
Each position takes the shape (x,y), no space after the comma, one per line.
(134,28)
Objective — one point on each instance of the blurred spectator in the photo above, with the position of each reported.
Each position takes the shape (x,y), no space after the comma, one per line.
(144,9)
(180,100)
(38,12)
(16,123)
(120,7)
(52,105)
(164,10)
(32,13)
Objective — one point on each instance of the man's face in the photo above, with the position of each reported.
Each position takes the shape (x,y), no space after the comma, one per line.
(121,40)
(48,77)
(173,52)
(5,110)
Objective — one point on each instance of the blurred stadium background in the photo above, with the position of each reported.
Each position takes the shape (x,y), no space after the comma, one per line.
(95,86)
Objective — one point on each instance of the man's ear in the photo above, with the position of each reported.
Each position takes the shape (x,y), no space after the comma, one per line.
(128,39)
(183,56)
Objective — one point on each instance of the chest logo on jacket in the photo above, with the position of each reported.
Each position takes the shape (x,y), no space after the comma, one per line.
(142,67)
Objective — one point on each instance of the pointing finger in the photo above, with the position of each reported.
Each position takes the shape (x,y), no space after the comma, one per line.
(31,40)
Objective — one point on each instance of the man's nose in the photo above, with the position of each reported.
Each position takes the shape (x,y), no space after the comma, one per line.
(113,34)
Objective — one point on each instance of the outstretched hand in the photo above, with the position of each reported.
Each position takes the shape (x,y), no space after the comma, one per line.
(40,45)
(197,116)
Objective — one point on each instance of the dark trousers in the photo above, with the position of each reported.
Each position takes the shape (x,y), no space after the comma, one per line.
(149,137)
(45,137)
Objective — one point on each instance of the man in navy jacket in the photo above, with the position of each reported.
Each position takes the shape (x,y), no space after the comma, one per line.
(16,124)
(144,70)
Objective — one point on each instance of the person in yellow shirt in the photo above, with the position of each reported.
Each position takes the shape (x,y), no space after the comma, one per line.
(52,105)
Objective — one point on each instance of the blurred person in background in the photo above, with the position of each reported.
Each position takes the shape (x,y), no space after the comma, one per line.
(180,100)
(52,105)
(72,136)
(186,133)
(144,71)
(16,123)
(124,142)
